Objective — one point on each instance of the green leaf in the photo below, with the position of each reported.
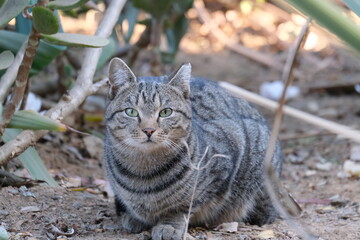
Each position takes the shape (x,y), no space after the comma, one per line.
(354,5)
(331,16)
(75,40)
(28,119)
(66,4)
(31,160)
(6,59)
(45,21)
(175,33)
(181,6)
(2,2)
(4,235)
(45,53)
(10,9)
(106,54)
(130,13)
(157,9)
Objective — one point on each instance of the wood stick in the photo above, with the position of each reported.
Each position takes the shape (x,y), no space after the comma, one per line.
(339,129)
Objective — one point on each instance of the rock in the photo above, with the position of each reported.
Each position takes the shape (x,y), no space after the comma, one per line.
(355,153)
(347,213)
(30,209)
(4,212)
(309,173)
(228,227)
(352,168)
(94,146)
(266,234)
(25,192)
(77,205)
(324,166)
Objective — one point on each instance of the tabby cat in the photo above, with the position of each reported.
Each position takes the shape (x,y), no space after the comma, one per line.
(171,139)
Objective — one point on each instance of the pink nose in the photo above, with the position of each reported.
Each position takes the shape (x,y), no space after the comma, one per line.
(149,131)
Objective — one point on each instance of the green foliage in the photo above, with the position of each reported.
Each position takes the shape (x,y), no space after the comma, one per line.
(75,40)
(107,53)
(157,10)
(45,54)
(353,5)
(45,21)
(66,4)
(6,58)
(170,12)
(331,16)
(130,14)
(4,235)
(10,9)
(2,3)
(28,119)
(31,160)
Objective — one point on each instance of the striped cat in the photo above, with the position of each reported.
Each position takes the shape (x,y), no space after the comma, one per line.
(175,138)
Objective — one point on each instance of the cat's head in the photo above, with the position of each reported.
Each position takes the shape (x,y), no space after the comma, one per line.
(148,113)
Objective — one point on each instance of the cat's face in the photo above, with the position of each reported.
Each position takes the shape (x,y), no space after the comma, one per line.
(148,114)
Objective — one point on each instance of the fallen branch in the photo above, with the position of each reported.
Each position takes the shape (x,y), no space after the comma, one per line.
(336,128)
(82,89)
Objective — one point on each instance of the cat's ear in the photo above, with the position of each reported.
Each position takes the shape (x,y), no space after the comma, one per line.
(120,75)
(181,79)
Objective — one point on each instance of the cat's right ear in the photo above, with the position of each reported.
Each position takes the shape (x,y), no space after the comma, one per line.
(120,75)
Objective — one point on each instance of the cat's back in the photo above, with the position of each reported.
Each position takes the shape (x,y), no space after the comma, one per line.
(211,102)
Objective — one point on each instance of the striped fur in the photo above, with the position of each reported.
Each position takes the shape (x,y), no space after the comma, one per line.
(153,177)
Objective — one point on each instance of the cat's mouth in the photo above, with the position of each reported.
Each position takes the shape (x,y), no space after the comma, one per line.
(149,140)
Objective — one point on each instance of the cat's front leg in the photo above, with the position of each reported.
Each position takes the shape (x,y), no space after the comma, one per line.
(132,225)
(169,230)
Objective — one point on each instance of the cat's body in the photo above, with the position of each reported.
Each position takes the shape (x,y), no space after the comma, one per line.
(159,129)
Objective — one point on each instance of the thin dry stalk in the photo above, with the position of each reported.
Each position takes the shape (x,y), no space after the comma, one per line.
(198,167)
(272,183)
(69,103)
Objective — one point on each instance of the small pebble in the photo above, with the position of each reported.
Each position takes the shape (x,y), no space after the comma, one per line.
(4,212)
(77,205)
(324,166)
(30,209)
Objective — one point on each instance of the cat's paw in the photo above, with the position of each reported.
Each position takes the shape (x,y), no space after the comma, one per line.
(132,225)
(166,232)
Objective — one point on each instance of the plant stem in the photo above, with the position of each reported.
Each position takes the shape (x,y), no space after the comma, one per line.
(156,29)
(21,79)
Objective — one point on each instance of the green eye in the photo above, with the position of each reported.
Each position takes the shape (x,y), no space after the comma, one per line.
(131,112)
(165,112)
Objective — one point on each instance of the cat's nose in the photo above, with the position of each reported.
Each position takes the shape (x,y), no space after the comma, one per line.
(149,131)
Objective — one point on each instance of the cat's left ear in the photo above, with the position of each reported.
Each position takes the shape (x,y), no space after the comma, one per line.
(120,75)
(181,79)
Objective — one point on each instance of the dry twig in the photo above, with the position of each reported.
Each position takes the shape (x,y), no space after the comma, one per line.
(69,103)
(272,183)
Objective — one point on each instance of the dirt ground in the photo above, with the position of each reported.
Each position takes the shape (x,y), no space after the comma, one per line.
(313,169)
